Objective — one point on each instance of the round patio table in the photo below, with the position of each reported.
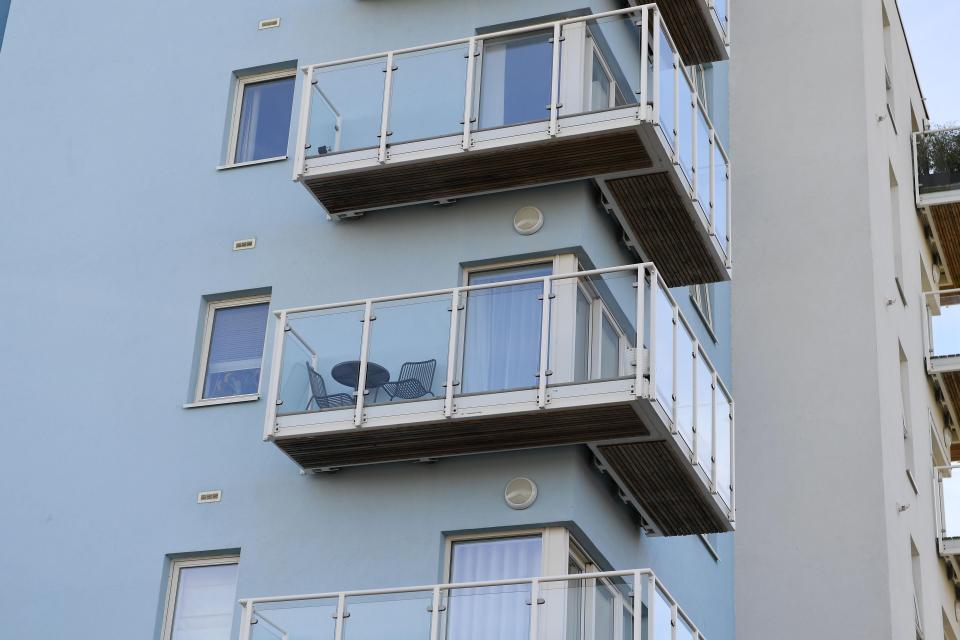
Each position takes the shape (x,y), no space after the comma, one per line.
(348,374)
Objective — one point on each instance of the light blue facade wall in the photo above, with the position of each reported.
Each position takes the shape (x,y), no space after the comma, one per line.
(117,224)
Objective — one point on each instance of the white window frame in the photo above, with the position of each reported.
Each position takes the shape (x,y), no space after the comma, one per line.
(212,308)
(704,309)
(173,584)
(593,52)
(237,111)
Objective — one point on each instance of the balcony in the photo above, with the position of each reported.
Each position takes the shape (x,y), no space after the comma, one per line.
(603,97)
(938,192)
(943,349)
(611,605)
(504,364)
(948,517)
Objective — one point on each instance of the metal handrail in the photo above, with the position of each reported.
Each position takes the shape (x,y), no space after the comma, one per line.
(645,584)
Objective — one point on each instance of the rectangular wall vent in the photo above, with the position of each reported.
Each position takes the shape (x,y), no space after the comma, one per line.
(249,243)
(269,23)
(208,496)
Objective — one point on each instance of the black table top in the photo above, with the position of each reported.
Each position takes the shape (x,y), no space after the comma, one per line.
(348,374)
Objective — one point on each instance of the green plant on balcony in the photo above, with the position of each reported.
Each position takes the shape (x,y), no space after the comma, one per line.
(938,159)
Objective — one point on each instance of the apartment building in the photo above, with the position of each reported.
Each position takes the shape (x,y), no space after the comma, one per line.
(847,329)
(358,319)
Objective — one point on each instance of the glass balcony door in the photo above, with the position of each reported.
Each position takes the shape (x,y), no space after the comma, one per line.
(501,345)
(515,79)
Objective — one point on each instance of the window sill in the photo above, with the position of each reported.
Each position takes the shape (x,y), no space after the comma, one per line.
(212,402)
(237,165)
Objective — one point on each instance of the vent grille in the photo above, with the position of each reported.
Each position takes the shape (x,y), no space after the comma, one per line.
(269,23)
(208,496)
(248,243)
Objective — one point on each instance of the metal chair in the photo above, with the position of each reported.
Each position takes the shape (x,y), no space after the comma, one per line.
(414,381)
(319,396)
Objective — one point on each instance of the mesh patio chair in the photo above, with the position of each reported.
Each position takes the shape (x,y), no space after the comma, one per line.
(414,381)
(319,395)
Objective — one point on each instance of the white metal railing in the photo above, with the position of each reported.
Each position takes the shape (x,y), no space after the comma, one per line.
(584,338)
(936,155)
(610,605)
(943,330)
(948,509)
(424,101)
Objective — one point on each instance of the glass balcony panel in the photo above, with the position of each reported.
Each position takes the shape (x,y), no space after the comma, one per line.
(399,616)
(951,505)
(514,79)
(668,77)
(663,359)
(482,613)
(300,620)
(684,630)
(685,367)
(945,328)
(938,161)
(408,348)
(704,154)
(685,128)
(321,359)
(724,446)
(346,107)
(588,609)
(428,93)
(720,8)
(704,416)
(662,614)
(501,334)
(720,182)
(607,74)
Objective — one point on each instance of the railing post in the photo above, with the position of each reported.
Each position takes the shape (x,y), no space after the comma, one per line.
(340,614)
(534,608)
(435,615)
(673,621)
(695,139)
(273,386)
(728,241)
(555,81)
(676,108)
(300,153)
(733,462)
(246,620)
(385,115)
(640,354)
(713,184)
(544,344)
(655,114)
(468,95)
(645,58)
(652,357)
(696,409)
(638,605)
(651,604)
(364,355)
(452,353)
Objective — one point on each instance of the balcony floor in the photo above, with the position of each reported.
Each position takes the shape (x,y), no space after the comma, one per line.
(645,462)
(627,160)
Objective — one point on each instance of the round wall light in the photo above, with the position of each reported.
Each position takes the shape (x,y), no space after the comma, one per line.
(527,220)
(520,493)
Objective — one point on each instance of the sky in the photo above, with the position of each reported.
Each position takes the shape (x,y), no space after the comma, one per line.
(933,30)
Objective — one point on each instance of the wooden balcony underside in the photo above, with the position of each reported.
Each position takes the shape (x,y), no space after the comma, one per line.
(946,220)
(654,208)
(656,476)
(951,384)
(693,31)
(666,493)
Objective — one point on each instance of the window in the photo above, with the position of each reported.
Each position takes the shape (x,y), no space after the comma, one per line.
(896,225)
(201,599)
(908,455)
(261,117)
(233,348)
(702,297)
(887,58)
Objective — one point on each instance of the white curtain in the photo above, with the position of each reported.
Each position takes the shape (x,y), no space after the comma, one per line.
(502,344)
(492,613)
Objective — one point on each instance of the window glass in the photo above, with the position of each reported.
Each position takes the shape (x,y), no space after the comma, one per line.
(483,613)
(582,347)
(609,349)
(502,343)
(515,80)
(205,602)
(264,119)
(235,351)
(599,85)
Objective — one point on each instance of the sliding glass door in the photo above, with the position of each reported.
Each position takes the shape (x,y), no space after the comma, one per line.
(515,80)
(502,330)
